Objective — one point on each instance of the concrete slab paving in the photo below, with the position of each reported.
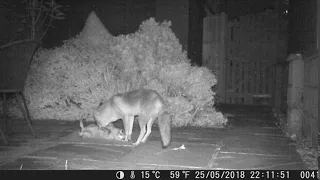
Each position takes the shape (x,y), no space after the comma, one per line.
(9,153)
(95,152)
(31,163)
(254,161)
(250,141)
(193,156)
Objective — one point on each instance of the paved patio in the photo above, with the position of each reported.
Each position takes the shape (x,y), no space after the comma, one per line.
(251,141)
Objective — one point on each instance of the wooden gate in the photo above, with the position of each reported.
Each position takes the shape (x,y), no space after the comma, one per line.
(248,82)
(241,53)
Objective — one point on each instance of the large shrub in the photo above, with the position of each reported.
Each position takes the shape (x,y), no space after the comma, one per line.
(67,82)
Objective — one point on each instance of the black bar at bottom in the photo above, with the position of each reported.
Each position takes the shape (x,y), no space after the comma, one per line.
(162,174)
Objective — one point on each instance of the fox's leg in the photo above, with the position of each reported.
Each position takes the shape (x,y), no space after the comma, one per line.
(142,124)
(128,124)
(149,126)
(126,128)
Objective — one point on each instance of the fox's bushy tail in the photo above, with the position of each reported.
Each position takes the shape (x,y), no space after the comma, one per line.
(164,122)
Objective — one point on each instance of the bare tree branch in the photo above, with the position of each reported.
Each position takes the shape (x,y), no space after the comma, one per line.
(15,42)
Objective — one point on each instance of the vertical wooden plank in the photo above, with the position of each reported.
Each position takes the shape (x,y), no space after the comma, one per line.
(270,84)
(233,81)
(268,74)
(245,82)
(235,84)
(240,81)
(230,74)
(315,131)
(264,78)
(229,82)
(258,81)
(249,82)
(217,54)
(223,50)
(229,77)
(252,76)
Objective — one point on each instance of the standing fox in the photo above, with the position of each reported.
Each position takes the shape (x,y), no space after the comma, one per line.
(147,104)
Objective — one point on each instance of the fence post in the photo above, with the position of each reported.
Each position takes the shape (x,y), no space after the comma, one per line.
(295,94)
(277,88)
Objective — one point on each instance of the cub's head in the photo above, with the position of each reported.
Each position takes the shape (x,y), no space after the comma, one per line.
(117,134)
(111,132)
(89,131)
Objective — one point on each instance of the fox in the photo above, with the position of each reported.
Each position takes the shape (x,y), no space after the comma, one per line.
(93,131)
(144,104)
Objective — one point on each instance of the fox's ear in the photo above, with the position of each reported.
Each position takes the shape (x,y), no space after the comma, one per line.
(80,133)
(81,124)
(121,131)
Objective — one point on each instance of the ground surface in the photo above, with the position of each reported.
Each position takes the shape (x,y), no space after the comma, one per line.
(251,141)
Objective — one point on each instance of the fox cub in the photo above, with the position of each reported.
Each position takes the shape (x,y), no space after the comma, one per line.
(109,132)
(147,104)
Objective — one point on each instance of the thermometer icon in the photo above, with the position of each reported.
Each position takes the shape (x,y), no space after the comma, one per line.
(132,176)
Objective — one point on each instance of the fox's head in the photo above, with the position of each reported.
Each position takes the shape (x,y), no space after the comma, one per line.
(100,120)
(105,115)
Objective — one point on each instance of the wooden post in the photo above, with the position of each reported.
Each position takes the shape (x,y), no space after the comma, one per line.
(277,88)
(223,50)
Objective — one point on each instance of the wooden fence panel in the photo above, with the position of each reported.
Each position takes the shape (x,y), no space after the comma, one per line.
(246,80)
(214,50)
